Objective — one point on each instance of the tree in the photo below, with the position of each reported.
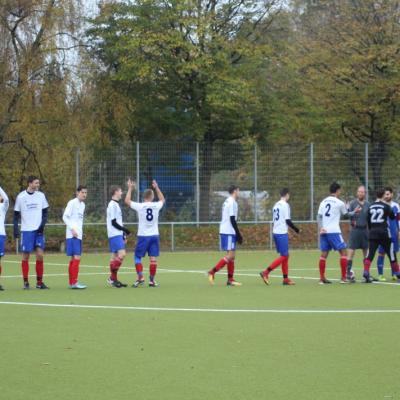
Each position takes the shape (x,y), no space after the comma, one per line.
(185,67)
(348,58)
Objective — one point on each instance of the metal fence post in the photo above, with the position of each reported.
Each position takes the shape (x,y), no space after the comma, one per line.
(311,181)
(366,169)
(137,171)
(172,237)
(197,183)
(255,183)
(77,167)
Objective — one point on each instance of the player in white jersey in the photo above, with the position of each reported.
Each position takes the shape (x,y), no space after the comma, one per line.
(330,211)
(148,235)
(116,236)
(281,221)
(4,204)
(32,207)
(73,219)
(229,235)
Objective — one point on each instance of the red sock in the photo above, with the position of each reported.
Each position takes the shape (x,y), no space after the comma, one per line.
(114,267)
(74,271)
(153,269)
(276,263)
(139,270)
(70,271)
(39,271)
(285,266)
(231,269)
(343,266)
(221,263)
(367,265)
(395,267)
(25,269)
(0,269)
(322,267)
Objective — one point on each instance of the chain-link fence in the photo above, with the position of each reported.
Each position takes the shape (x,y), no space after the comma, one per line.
(195,176)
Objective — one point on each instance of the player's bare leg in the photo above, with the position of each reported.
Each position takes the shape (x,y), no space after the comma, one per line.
(322,268)
(153,271)
(115,264)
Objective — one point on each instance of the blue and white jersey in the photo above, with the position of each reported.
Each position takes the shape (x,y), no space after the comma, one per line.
(394,223)
(148,213)
(3,211)
(331,209)
(229,209)
(73,217)
(281,212)
(30,205)
(114,212)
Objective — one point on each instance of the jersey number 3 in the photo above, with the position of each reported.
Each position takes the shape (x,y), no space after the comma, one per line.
(149,214)
(276,214)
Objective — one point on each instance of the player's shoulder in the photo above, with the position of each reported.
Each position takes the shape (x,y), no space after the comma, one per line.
(394,204)
(22,194)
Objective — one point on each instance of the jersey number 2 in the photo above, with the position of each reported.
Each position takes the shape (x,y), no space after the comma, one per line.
(328,209)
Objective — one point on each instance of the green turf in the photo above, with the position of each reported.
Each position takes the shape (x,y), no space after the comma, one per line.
(59,353)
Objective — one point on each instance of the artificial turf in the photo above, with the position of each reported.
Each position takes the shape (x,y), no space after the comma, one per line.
(155,353)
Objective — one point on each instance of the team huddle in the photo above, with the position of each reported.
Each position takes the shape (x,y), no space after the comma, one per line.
(374,227)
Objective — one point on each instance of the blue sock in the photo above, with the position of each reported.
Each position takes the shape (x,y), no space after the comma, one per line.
(380,263)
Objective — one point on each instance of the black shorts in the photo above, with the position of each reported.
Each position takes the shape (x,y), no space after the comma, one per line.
(358,239)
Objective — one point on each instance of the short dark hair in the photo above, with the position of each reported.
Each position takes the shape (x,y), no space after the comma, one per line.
(113,189)
(232,188)
(284,192)
(380,193)
(334,187)
(32,178)
(80,188)
(388,189)
(148,193)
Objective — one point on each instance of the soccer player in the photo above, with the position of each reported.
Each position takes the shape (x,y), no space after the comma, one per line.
(379,234)
(116,236)
(358,229)
(394,233)
(73,219)
(229,234)
(32,207)
(281,221)
(148,237)
(4,203)
(329,213)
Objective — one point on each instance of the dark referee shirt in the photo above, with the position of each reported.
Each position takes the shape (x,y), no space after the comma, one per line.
(378,214)
(359,221)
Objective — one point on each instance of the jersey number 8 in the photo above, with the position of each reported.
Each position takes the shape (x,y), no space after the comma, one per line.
(149,214)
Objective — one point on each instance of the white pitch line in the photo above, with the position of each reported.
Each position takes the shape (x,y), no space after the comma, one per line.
(201,310)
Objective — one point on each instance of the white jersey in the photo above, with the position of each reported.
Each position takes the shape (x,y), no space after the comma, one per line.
(114,212)
(73,217)
(30,205)
(3,210)
(331,209)
(229,209)
(281,212)
(148,217)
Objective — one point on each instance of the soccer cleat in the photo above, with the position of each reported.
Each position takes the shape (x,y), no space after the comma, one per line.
(211,278)
(394,278)
(381,278)
(1,288)
(324,281)
(153,284)
(117,284)
(138,282)
(26,286)
(368,278)
(41,285)
(264,277)
(78,285)
(344,281)
(288,282)
(232,282)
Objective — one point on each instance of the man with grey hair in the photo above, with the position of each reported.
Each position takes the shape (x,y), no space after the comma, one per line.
(358,230)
